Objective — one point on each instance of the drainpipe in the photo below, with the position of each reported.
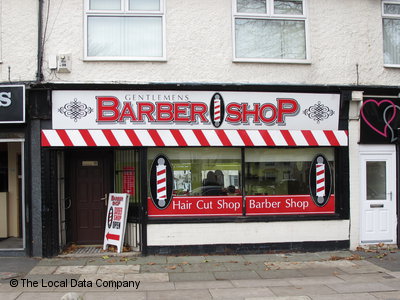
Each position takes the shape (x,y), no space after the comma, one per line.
(39,74)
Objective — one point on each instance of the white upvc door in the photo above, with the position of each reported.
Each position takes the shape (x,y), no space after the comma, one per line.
(378,194)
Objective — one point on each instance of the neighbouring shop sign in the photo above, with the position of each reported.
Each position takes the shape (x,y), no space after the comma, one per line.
(194,109)
(380,120)
(117,211)
(12,103)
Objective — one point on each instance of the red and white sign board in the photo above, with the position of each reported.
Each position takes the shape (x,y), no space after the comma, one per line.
(117,212)
(287,205)
(215,206)
(199,206)
(194,110)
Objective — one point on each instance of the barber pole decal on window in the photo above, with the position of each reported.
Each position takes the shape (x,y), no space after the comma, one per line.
(161,182)
(217,110)
(320,180)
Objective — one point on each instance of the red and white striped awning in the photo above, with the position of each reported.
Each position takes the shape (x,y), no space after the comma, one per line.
(191,138)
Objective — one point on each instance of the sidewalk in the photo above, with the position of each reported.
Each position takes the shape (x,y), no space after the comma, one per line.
(290,276)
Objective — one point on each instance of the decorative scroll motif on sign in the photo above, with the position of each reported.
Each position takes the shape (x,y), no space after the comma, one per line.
(318,112)
(75,110)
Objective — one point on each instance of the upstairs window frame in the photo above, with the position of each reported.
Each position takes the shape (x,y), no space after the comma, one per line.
(387,16)
(122,12)
(271,15)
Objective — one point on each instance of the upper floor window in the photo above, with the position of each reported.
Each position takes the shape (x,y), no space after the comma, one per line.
(270,31)
(124,30)
(391,33)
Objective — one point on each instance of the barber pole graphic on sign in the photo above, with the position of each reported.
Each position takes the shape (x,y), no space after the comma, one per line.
(161,182)
(320,180)
(217,110)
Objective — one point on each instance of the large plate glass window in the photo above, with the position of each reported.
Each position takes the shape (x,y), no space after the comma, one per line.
(391,33)
(125,30)
(270,31)
(205,182)
(280,181)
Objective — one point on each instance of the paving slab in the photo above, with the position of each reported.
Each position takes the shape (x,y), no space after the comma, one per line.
(107,261)
(369,277)
(362,287)
(298,282)
(275,274)
(387,295)
(237,293)
(9,296)
(260,282)
(105,277)
(156,259)
(43,270)
(121,269)
(232,275)
(62,262)
(181,295)
(41,296)
(114,296)
(148,277)
(187,276)
(303,291)
(358,296)
(156,286)
(185,259)
(192,285)
(224,258)
(312,272)
(165,268)
(76,270)
(204,267)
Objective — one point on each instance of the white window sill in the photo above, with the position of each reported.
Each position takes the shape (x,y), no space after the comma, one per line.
(392,66)
(273,61)
(126,59)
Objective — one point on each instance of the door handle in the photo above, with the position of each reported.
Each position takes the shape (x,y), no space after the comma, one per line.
(104,199)
(390,195)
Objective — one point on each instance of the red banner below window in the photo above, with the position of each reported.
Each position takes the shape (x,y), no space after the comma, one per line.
(287,205)
(209,206)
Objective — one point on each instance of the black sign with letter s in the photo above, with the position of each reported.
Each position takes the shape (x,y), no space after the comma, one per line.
(12,104)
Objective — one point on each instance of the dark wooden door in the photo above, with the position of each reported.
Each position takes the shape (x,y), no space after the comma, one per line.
(91,182)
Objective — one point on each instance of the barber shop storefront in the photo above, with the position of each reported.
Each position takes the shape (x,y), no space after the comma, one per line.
(12,178)
(206,171)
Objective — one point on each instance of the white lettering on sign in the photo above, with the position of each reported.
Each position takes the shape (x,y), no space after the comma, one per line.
(5,99)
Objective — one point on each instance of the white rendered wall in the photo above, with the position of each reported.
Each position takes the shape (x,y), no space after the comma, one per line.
(342,33)
(18,54)
(355,176)
(246,233)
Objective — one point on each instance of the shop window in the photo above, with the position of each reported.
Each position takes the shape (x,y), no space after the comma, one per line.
(206,182)
(205,171)
(270,30)
(11,196)
(125,30)
(278,181)
(391,32)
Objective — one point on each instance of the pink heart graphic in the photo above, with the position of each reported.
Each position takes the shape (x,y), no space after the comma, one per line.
(384,132)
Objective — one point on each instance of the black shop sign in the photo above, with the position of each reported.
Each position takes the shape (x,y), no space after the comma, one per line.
(380,120)
(12,104)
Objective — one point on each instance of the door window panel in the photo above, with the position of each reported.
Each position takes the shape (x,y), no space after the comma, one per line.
(376,180)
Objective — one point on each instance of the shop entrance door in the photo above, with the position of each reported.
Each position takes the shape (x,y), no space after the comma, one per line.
(378,194)
(91,181)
